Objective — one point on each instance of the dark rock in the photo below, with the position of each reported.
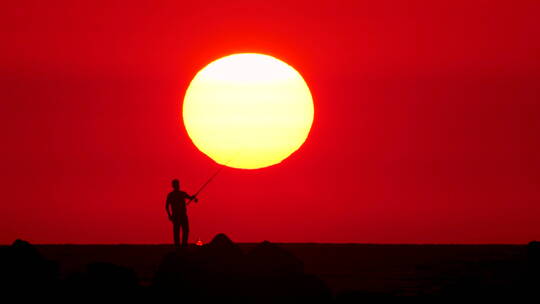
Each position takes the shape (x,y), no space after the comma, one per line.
(111,276)
(268,259)
(180,271)
(534,251)
(22,267)
(275,275)
(222,257)
(222,247)
(220,270)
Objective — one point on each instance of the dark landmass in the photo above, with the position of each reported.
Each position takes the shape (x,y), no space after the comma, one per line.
(269,272)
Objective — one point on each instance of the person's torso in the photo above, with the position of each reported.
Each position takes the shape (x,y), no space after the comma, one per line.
(177,199)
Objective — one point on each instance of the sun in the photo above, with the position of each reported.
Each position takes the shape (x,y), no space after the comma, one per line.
(248,110)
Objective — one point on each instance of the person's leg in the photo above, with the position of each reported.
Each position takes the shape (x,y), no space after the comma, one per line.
(176,233)
(185,231)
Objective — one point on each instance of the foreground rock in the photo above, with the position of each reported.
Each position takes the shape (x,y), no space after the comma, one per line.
(22,267)
(221,270)
(218,270)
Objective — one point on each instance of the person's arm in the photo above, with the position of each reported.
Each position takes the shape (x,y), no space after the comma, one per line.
(192,197)
(167,204)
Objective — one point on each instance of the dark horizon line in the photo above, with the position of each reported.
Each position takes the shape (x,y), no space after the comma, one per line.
(283,243)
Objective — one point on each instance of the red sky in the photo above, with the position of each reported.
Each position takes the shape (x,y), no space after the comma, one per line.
(426,121)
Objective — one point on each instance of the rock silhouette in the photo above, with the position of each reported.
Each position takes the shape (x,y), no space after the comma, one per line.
(221,270)
(277,274)
(270,260)
(534,254)
(22,267)
(533,273)
(265,273)
(102,278)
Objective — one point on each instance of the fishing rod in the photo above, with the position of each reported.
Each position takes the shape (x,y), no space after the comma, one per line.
(194,196)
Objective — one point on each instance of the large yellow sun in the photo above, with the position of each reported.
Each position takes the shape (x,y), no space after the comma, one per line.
(248,110)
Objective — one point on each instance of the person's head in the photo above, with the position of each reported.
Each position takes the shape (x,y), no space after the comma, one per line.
(176,184)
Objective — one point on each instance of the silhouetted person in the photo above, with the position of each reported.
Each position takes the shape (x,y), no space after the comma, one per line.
(176,210)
